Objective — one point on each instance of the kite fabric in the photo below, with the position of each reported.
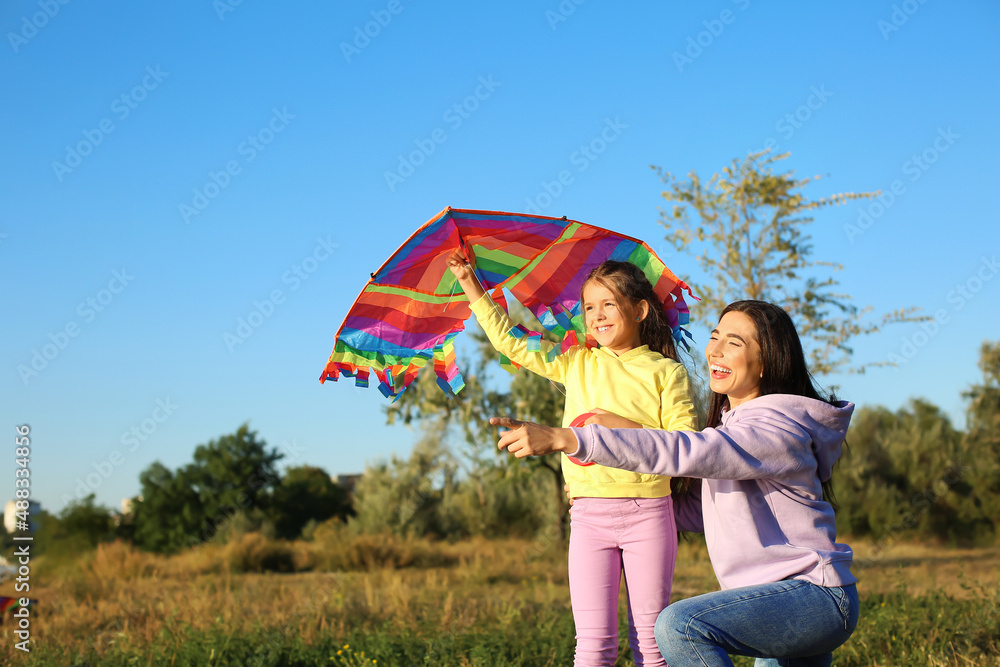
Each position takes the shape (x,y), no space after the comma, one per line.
(411,310)
(11,604)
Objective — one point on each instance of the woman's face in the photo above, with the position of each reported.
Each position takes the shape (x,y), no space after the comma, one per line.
(733,355)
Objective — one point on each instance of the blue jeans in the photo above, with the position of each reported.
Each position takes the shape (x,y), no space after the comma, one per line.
(790,623)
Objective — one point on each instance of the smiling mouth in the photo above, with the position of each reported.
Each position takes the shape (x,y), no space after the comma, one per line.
(603,329)
(719,372)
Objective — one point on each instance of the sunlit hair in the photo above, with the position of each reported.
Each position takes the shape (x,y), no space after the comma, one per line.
(781,358)
(631,287)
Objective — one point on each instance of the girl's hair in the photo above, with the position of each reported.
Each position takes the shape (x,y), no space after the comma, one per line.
(782,360)
(630,285)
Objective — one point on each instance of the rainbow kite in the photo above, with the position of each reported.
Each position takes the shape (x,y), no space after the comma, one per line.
(411,310)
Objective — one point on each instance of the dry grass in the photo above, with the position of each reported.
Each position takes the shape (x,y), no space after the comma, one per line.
(117,595)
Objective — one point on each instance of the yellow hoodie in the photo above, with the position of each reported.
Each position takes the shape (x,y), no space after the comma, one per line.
(640,385)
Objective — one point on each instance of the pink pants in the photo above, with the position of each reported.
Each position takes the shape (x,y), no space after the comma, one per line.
(608,537)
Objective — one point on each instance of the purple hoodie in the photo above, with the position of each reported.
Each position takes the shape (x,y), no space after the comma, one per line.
(762,504)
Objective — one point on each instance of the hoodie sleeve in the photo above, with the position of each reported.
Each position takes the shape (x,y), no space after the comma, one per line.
(762,443)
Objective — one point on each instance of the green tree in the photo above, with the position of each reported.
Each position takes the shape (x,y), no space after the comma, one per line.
(92,523)
(80,526)
(229,478)
(234,472)
(748,226)
(404,496)
(306,493)
(168,514)
(911,474)
(980,508)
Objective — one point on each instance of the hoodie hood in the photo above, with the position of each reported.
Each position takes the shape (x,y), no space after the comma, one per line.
(826,424)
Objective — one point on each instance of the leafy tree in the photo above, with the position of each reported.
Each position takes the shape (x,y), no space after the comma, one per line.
(306,493)
(405,496)
(911,474)
(80,526)
(981,449)
(168,514)
(92,523)
(230,476)
(234,471)
(749,230)
(902,474)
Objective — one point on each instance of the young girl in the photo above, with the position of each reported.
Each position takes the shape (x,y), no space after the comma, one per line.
(621,522)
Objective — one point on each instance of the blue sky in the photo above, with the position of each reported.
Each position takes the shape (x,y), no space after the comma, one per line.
(171,169)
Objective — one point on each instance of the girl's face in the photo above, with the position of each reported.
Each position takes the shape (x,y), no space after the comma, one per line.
(733,355)
(610,321)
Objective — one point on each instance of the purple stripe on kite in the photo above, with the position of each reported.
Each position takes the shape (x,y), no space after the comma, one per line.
(549,231)
(431,238)
(599,252)
(417,340)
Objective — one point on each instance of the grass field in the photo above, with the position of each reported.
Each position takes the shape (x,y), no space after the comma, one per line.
(385,601)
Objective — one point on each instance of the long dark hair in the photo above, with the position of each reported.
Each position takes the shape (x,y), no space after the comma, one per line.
(630,285)
(782,359)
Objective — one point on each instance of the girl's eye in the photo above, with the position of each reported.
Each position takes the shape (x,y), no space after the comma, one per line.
(734,343)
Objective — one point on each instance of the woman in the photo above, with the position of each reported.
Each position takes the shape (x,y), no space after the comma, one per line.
(788,596)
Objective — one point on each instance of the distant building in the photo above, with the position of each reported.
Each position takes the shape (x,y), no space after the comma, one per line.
(347,482)
(10,515)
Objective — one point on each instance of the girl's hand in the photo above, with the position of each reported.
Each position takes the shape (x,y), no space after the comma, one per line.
(610,420)
(461,268)
(467,279)
(528,439)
